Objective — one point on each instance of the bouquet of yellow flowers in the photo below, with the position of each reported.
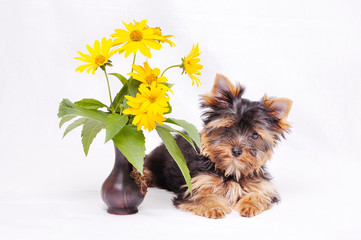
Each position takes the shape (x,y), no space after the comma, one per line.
(142,102)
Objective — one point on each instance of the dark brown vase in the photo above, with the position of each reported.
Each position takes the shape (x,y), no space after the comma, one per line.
(123,191)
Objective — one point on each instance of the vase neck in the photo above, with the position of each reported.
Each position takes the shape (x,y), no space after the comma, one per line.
(120,159)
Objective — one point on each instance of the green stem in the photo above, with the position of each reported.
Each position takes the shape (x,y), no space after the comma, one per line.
(110,95)
(179,65)
(133,61)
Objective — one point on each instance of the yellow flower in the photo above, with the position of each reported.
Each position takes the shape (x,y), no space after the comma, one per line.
(158,32)
(147,75)
(190,65)
(99,55)
(137,37)
(148,106)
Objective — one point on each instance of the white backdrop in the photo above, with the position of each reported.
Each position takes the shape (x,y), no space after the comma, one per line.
(309,51)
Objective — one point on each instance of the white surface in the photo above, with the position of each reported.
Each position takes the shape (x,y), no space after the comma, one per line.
(308,51)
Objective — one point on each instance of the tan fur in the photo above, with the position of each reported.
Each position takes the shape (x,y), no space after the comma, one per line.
(209,197)
(266,135)
(206,184)
(210,98)
(211,206)
(252,205)
(257,198)
(267,156)
(245,165)
(205,144)
(216,85)
(213,198)
(228,165)
(148,176)
(221,123)
(233,192)
(284,125)
(271,103)
(257,186)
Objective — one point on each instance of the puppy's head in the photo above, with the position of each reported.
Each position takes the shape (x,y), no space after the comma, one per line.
(239,135)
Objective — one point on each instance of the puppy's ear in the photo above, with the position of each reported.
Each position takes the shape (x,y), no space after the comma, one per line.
(280,108)
(221,85)
(223,93)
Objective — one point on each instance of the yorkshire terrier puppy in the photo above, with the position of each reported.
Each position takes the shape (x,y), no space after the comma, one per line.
(229,171)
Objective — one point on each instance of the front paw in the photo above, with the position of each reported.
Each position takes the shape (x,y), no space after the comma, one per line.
(249,210)
(252,205)
(212,213)
(211,207)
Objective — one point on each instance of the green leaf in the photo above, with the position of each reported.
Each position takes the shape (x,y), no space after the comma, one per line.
(115,123)
(74,125)
(176,153)
(120,77)
(170,85)
(67,108)
(189,128)
(133,86)
(90,130)
(185,136)
(120,96)
(90,103)
(170,108)
(65,119)
(131,143)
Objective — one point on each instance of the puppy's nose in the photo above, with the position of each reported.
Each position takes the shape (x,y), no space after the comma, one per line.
(236,151)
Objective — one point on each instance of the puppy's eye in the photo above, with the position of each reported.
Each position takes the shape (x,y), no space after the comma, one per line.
(255,136)
(227,129)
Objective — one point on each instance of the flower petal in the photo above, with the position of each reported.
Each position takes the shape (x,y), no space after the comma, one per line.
(152,44)
(144,50)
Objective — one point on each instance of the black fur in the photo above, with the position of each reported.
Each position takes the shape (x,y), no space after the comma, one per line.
(165,171)
(248,114)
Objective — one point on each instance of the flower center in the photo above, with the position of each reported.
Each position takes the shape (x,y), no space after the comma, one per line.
(152,99)
(151,78)
(100,60)
(136,35)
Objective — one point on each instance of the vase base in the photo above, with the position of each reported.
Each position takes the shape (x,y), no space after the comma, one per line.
(122,211)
